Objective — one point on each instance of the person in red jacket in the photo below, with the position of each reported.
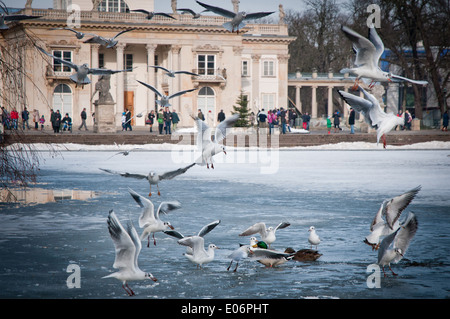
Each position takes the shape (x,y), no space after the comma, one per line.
(14,118)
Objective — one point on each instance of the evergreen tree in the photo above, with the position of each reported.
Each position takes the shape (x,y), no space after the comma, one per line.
(242,110)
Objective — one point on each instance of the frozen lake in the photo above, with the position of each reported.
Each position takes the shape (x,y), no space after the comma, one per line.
(337,191)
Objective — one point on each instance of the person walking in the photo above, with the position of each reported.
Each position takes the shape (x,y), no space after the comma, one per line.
(83,116)
(221,116)
(351,120)
(167,120)
(262,119)
(160,119)
(200,115)
(445,121)
(408,120)
(36,119)
(128,120)
(336,121)
(306,119)
(175,119)
(283,120)
(14,118)
(57,121)
(151,119)
(25,118)
(41,122)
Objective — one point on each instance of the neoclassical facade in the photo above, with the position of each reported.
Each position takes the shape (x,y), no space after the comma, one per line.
(254,62)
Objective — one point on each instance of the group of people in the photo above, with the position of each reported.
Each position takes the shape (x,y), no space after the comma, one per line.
(167,120)
(285,119)
(10,120)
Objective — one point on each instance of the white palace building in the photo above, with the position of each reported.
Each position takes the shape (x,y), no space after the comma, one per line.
(253,62)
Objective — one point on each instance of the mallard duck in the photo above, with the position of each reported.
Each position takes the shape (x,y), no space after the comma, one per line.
(303,254)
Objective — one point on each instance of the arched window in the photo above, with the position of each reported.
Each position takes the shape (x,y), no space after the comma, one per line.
(207,104)
(113,6)
(62,99)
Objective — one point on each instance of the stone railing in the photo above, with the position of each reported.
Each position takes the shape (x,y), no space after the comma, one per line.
(181,19)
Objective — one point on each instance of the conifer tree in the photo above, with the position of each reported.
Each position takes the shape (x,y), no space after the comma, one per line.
(242,110)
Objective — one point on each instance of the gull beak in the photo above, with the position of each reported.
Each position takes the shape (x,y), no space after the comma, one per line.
(389,80)
(225,152)
(171,227)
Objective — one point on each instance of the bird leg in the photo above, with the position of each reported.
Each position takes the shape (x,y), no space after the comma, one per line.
(157,186)
(127,288)
(212,165)
(148,241)
(355,86)
(150,194)
(154,239)
(237,264)
(372,84)
(393,273)
(384,140)
(230,265)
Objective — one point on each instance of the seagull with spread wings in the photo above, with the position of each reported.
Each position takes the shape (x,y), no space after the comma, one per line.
(82,71)
(107,42)
(368,53)
(386,220)
(267,233)
(7,17)
(171,73)
(80,35)
(210,147)
(128,247)
(194,14)
(237,19)
(164,101)
(151,14)
(153,178)
(373,114)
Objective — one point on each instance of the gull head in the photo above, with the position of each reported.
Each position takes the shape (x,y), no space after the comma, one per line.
(312,228)
(150,276)
(398,251)
(212,246)
(168,225)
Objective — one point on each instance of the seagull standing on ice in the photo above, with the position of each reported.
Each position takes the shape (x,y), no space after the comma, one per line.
(373,114)
(390,209)
(368,53)
(164,98)
(241,253)
(127,246)
(313,238)
(149,220)
(199,255)
(401,239)
(238,19)
(210,147)
(267,234)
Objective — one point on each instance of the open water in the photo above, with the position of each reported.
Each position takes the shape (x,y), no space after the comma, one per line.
(338,192)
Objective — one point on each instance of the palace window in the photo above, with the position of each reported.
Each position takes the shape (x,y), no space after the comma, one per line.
(245,69)
(206,64)
(268,101)
(113,6)
(128,61)
(268,68)
(65,55)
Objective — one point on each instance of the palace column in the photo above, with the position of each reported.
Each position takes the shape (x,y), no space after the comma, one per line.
(150,76)
(298,102)
(120,47)
(313,102)
(283,80)
(330,101)
(175,87)
(255,80)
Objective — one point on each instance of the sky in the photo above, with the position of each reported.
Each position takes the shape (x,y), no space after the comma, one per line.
(164,5)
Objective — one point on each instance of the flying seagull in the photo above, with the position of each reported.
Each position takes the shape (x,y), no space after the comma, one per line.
(400,241)
(80,77)
(386,220)
(194,14)
(267,234)
(153,178)
(78,34)
(150,15)
(171,73)
(107,42)
(373,114)
(149,219)
(210,147)
(238,19)
(125,152)
(164,98)
(368,53)
(128,247)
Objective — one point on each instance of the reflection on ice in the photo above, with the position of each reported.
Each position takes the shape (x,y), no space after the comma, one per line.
(33,196)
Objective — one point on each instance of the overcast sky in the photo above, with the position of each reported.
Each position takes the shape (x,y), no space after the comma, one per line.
(164,5)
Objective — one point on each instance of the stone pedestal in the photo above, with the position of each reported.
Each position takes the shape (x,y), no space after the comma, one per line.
(105,119)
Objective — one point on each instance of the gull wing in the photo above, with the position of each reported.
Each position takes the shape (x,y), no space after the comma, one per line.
(282,225)
(124,244)
(359,104)
(159,67)
(17,17)
(256,228)
(221,129)
(97,39)
(164,15)
(151,88)
(181,93)
(174,173)
(187,10)
(166,207)
(217,10)
(365,50)
(377,43)
(203,132)
(257,15)
(122,32)
(195,242)
(409,80)
(395,206)
(147,216)
(100,71)
(186,72)
(207,228)
(261,253)
(379,216)
(405,235)
(385,243)
(174,233)
(137,176)
(68,63)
